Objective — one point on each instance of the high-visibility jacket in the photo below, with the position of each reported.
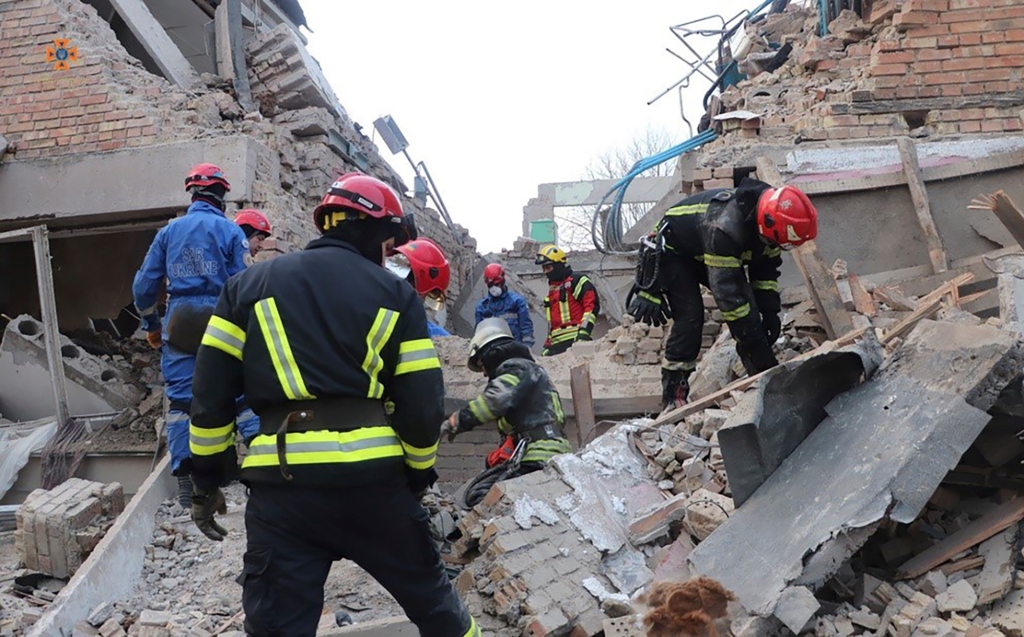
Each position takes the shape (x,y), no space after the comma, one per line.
(318,325)
(716,231)
(571,307)
(525,403)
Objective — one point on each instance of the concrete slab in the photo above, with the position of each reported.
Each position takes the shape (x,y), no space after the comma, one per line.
(114,567)
(156,41)
(881,452)
(785,406)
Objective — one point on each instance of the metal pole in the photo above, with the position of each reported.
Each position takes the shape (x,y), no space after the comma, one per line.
(51,336)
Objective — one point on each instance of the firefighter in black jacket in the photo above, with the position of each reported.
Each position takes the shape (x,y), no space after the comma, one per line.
(317,340)
(709,239)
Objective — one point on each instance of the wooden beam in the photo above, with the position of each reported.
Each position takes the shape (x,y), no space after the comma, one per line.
(985,100)
(862,300)
(912,170)
(926,306)
(582,401)
(995,521)
(154,39)
(701,404)
(823,291)
(51,335)
(1005,210)
(231,50)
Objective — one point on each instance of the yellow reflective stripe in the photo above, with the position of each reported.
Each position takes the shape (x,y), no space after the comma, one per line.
(588,319)
(746,255)
(563,334)
(420,457)
(376,339)
(719,261)
(288,373)
(416,356)
(771,286)
(325,447)
(699,257)
(473,631)
(556,402)
(563,311)
(576,291)
(225,336)
(504,426)
(478,407)
(207,442)
(772,251)
(689,209)
(738,313)
(510,379)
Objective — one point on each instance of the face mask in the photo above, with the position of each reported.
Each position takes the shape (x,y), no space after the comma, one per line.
(495,290)
(438,317)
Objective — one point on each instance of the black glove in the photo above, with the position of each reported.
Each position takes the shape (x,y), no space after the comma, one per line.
(772,325)
(204,505)
(756,357)
(647,308)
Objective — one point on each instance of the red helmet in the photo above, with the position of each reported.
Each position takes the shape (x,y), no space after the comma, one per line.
(359,193)
(786,217)
(430,269)
(206,175)
(494,274)
(254,219)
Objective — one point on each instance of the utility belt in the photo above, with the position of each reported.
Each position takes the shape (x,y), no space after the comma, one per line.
(327,415)
(541,432)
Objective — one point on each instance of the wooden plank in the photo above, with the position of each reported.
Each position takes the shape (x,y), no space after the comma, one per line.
(51,335)
(679,413)
(1005,210)
(862,300)
(582,401)
(912,169)
(965,564)
(995,521)
(154,39)
(823,290)
(895,299)
(230,56)
(926,307)
(1004,100)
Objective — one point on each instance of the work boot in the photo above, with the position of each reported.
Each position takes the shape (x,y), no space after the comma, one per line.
(675,388)
(185,491)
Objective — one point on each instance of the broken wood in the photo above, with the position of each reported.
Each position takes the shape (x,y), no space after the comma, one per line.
(995,521)
(1004,208)
(862,300)
(965,564)
(926,307)
(895,299)
(679,413)
(823,291)
(582,401)
(911,167)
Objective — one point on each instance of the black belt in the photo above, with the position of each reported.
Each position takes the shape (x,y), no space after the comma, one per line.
(548,432)
(333,414)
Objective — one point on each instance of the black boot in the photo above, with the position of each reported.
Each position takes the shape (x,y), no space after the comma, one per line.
(185,491)
(675,388)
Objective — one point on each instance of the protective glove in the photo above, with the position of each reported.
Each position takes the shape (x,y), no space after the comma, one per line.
(450,427)
(155,339)
(584,335)
(647,308)
(204,506)
(772,325)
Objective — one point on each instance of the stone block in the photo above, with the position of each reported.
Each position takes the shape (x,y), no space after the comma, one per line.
(705,512)
(996,578)
(112,628)
(796,607)
(101,614)
(959,597)
(151,617)
(550,623)
(655,522)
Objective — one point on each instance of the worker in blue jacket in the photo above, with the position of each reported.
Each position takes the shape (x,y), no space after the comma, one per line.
(503,303)
(194,256)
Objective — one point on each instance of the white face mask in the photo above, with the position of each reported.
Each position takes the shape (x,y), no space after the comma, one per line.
(438,317)
(495,290)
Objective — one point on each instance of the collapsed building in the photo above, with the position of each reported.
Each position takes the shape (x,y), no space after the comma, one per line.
(869,483)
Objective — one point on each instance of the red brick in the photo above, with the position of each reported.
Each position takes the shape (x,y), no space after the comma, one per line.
(964,4)
(951,90)
(929,55)
(975,26)
(1013,124)
(998,87)
(92,99)
(974,89)
(929,91)
(889,69)
(898,57)
(1014,35)
(889,45)
(927,67)
(989,75)
(929,42)
(965,64)
(907,92)
(928,31)
(992,126)
(944,78)
(992,37)
(968,15)
(970,39)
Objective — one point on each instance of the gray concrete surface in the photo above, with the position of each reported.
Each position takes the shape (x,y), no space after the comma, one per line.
(114,567)
(393,627)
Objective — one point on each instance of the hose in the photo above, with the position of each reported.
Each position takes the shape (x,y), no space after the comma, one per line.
(480,485)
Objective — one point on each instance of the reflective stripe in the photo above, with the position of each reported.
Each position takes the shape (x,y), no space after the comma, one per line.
(478,407)
(689,209)
(416,356)
(225,336)
(746,255)
(718,261)
(699,257)
(650,297)
(473,631)
(771,286)
(419,457)
(738,313)
(556,402)
(207,442)
(588,320)
(576,291)
(281,351)
(772,251)
(511,379)
(564,314)
(686,366)
(545,450)
(504,426)
(325,447)
(376,339)
(564,334)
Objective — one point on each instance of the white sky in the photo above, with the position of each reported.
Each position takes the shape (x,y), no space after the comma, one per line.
(498,98)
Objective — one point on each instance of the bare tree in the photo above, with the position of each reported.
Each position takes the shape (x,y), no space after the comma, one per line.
(574,222)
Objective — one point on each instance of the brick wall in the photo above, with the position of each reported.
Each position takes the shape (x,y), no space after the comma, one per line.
(74,111)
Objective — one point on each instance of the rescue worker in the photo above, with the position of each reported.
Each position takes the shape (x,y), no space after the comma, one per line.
(709,239)
(318,339)
(194,254)
(257,229)
(501,302)
(424,266)
(571,304)
(519,396)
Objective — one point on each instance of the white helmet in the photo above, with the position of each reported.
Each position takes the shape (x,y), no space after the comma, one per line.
(487,331)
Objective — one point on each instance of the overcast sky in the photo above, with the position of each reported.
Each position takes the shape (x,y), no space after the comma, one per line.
(498,98)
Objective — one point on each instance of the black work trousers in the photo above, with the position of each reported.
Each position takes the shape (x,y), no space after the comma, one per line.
(683,281)
(294,534)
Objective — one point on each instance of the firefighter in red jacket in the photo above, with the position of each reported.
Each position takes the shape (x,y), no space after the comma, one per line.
(571,304)
(318,340)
